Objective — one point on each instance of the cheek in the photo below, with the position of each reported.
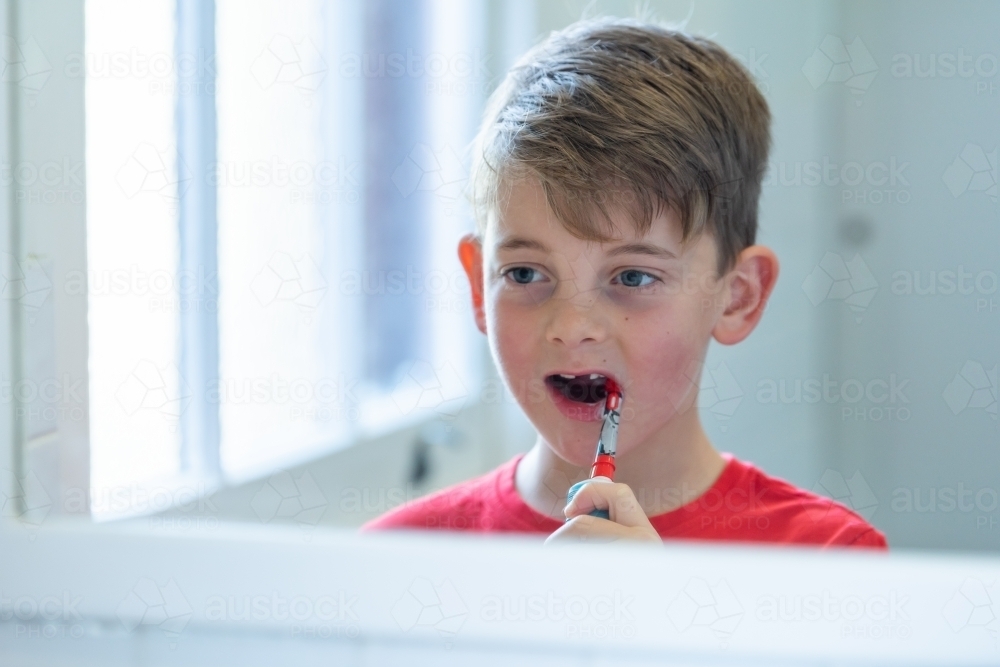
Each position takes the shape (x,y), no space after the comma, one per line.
(664,357)
(513,342)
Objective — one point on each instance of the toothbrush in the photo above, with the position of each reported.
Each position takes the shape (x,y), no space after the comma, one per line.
(603,469)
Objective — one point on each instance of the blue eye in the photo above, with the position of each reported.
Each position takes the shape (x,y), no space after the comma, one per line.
(634,278)
(522,275)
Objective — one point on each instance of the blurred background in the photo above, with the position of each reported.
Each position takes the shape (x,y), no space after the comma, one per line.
(233,292)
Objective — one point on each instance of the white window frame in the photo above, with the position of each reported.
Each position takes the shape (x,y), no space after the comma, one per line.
(198,360)
(56,456)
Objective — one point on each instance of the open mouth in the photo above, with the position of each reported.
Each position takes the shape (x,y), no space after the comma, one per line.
(588,388)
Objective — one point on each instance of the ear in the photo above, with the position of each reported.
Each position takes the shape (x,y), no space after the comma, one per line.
(470,252)
(749,285)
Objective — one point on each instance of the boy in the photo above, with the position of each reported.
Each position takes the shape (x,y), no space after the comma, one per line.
(616,178)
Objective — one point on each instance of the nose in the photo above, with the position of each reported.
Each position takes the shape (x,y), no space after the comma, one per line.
(577,321)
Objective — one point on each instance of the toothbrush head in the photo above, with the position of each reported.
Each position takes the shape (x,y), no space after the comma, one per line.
(614,398)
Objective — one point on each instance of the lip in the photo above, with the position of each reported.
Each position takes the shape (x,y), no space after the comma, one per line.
(584,412)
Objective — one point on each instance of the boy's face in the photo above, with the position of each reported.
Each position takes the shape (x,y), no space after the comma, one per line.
(638,310)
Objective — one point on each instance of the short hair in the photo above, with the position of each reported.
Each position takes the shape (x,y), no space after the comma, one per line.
(623,114)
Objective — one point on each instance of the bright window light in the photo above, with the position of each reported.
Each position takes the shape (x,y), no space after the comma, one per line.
(132,246)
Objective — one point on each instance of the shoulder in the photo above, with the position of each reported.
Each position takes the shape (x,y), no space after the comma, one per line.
(795,515)
(464,506)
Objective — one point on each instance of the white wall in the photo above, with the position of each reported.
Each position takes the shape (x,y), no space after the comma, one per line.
(928,339)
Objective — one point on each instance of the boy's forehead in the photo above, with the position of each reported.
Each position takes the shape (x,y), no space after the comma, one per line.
(523,214)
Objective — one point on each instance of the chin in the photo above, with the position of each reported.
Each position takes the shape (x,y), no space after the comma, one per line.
(579,453)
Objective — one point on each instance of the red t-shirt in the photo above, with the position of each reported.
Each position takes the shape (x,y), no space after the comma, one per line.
(743,505)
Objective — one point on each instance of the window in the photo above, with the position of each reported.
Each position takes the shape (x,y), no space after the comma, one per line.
(273,207)
(133,183)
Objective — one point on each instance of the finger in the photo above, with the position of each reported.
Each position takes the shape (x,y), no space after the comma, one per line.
(587,528)
(585,498)
(618,499)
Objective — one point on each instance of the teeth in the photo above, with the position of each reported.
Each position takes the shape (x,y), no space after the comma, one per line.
(568,377)
(594,376)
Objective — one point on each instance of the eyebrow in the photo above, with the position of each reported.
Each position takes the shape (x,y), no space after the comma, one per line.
(641,249)
(518,242)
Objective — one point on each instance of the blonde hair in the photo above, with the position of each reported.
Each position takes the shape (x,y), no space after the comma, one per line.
(622,114)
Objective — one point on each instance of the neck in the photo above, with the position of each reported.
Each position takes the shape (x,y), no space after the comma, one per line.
(673,467)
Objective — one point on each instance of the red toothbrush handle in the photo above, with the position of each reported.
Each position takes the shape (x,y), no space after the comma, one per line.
(604,466)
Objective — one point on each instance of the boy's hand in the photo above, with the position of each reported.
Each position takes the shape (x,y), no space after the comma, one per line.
(627,520)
